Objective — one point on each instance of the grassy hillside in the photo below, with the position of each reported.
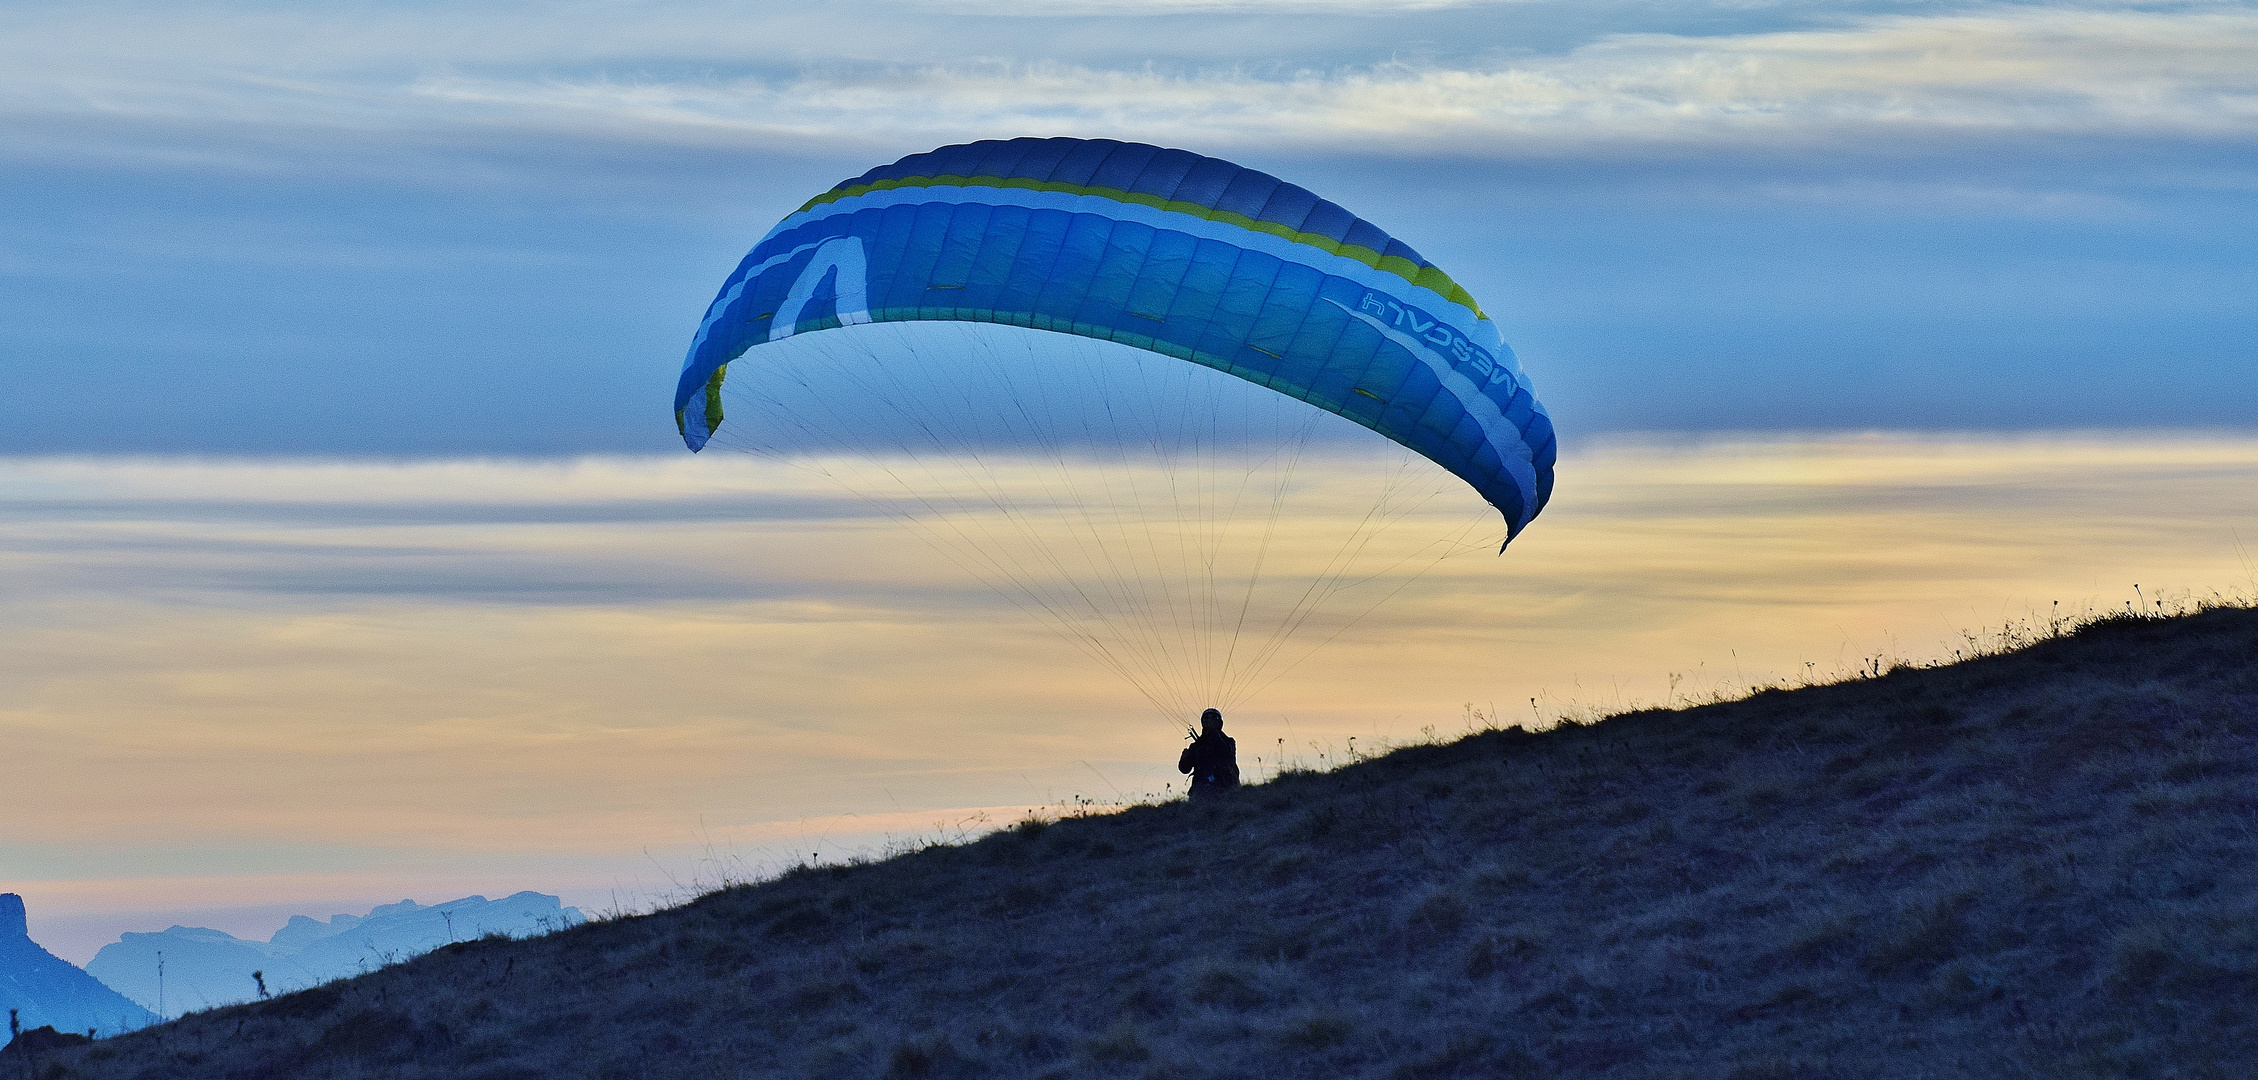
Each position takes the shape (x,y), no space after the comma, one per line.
(2037,864)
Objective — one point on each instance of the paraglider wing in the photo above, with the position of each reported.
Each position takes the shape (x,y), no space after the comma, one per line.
(1165,250)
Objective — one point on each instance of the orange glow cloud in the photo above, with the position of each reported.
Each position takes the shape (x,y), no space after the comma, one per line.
(238,677)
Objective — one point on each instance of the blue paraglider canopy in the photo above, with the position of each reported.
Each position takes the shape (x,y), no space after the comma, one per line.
(1165,250)
(1129,489)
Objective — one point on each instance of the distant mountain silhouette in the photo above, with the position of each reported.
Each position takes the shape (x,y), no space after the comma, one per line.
(44,990)
(207,968)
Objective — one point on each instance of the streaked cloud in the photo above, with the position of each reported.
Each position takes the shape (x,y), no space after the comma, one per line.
(737,683)
(699,76)
(2027,70)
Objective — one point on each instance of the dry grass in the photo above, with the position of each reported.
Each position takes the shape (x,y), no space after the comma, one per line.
(2034,864)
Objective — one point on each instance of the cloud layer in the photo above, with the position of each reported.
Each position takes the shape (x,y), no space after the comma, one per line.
(888,75)
(2030,71)
(229,671)
(490,227)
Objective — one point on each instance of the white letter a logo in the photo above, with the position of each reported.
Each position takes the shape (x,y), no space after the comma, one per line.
(843,253)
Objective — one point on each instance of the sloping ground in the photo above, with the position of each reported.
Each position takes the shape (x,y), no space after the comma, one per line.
(2032,865)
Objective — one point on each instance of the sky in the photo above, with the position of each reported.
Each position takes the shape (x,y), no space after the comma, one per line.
(350,554)
(246,687)
(354,228)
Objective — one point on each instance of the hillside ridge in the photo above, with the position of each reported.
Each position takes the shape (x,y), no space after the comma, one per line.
(2033,864)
